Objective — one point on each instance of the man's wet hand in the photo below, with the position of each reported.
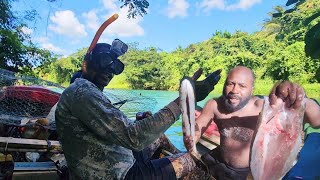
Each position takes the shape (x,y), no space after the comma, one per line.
(291,93)
(204,87)
(188,143)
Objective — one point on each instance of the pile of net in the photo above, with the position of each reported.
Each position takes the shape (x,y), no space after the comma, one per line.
(24,99)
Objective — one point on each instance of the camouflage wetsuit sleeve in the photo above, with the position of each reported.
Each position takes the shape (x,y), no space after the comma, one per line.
(103,119)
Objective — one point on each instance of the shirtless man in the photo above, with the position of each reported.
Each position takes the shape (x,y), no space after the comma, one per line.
(236,113)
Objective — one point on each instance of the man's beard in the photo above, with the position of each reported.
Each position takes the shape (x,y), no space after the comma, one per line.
(232,108)
(101,80)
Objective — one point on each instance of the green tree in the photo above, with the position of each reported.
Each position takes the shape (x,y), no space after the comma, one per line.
(136,7)
(273,54)
(144,69)
(293,65)
(17,52)
(60,71)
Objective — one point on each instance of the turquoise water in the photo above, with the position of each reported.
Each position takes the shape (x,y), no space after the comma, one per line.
(146,100)
(153,101)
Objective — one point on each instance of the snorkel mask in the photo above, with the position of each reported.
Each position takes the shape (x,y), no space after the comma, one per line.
(104,57)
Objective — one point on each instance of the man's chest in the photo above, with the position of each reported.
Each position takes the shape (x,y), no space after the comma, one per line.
(237,128)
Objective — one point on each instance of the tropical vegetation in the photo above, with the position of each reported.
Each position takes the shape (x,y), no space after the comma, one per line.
(287,48)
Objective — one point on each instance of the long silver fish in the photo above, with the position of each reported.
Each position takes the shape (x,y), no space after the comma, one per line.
(277,140)
(187,105)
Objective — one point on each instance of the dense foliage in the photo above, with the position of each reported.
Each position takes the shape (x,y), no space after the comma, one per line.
(274,53)
(17,52)
(287,47)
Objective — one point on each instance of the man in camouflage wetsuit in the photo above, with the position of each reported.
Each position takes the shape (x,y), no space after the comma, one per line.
(98,139)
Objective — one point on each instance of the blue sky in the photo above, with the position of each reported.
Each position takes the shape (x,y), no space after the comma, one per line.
(66,26)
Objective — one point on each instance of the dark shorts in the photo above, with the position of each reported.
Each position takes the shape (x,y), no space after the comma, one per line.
(159,169)
(308,163)
(146,154)
(220,170)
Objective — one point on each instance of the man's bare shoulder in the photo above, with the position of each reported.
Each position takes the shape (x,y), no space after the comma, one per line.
(210,106)
(257,101)
(212,102)
(253,107)
(217,105)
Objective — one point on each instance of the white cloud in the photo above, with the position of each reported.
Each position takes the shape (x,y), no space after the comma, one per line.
(122,26)
(51,47)
(208,5)
(92,20)
(26,30)
(126,27)
(177,8)
(243,4)
(110,5)
(41,39)
(65,23)
(45,44)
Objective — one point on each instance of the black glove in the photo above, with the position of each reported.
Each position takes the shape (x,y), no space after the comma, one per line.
(204,87)
(142,115)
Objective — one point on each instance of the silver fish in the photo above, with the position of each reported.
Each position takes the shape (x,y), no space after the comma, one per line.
(277,140)
(187,105)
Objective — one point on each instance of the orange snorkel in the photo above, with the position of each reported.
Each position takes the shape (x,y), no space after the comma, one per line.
(111,53)
(100,31)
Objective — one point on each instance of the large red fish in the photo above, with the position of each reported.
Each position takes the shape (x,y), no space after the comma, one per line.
(277,141)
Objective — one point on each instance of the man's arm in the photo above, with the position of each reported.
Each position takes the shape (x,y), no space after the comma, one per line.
(312,113)
(109,123)
(205,118)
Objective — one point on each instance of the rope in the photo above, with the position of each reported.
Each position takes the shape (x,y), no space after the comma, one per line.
(49,145)
(6,148)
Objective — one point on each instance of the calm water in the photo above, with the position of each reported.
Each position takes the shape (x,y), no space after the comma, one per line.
(147,100)
(143,100)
